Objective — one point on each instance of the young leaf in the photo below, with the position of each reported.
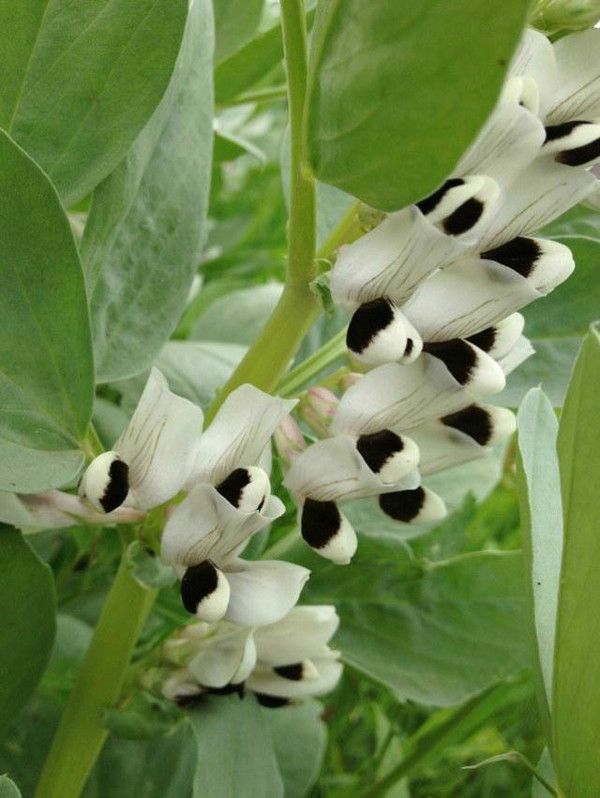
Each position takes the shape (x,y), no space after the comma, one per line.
(146,229)
(81,80)
(576,701)
(27,610)
(46,370)
(398,90)
(235,750)
(542,525)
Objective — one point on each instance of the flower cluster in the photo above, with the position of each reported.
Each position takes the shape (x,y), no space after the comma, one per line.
(434,293)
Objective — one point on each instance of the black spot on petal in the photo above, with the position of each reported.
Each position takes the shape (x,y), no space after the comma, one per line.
(520,255)
(198,582)
(189,701)
(403,505)
(464,217)
(368,320)
(228,689)
(431,202)
(117,487)
(485,339)
(580,156)
(292,672)
(233,486)
(474,421)
(458,357)
(271,701)
(377,448)
(320,522)
(554,132)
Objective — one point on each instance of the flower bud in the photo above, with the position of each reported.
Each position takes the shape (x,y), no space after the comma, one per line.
(552,16)
(289,440)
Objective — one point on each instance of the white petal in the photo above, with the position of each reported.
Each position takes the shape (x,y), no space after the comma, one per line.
(205,592)
(302,633)
(535,58)
(578,61)
(463,436)
(576,144)
(227,657)
(333,469)
(379,333)
(502,336)
(419,506)
(470,366)
(159,443)
(207,526)
(180,684)
(105,482)
(328,531)
(263,591)
(264,680)
(517,355)
(461,207)
(239,433)
(246,488)
(542,192)
(510,139)
(399,397)
(474,294)
(391,260)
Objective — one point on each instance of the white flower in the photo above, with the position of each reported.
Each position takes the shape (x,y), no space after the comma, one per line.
(230,500)
(151,461)
(289,659)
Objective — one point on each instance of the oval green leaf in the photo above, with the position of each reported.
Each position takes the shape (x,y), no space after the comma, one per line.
(46,370)
(81,80)
(399,89)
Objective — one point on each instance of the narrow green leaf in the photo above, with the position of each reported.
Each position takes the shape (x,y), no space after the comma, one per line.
(542,528)
(81,80)
(27,628)
(46,370)
(437,633)
(236,22)
(146,229)
(398,90)
(235,750)
(576,704)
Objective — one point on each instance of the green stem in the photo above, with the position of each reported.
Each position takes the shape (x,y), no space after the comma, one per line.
(82,733)
(268,95)
(320,359)
(298,307)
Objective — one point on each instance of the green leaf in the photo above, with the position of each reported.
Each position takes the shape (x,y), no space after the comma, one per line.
(46,371)
(8,789)
(144,237)
(27,609)
(144,718)
(300,738)
(235,750)
(238,317)
(80,81)
(436,633)
(236,22)
(576,702)
(398,90)
(541,522)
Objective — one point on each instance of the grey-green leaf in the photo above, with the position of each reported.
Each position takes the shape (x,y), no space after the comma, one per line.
(27,625)
(436,633)
(146,229)
(398,90)
(235,750)
(46,369)
(8,789)
(542,530)
(576,697)
(82,79)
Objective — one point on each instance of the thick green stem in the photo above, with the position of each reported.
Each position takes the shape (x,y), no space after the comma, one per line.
(82,733)
(298,307)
